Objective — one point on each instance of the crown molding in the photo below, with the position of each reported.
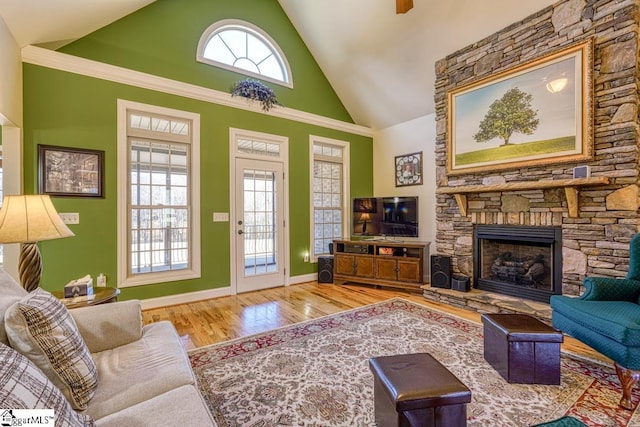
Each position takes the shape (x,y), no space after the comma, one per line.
(86,67)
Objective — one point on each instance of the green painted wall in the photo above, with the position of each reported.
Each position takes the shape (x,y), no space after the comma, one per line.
(162,39)
(70,110)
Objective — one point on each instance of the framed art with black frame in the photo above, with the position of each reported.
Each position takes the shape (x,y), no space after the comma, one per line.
(71,172)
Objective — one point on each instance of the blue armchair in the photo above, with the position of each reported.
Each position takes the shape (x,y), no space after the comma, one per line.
(606,317)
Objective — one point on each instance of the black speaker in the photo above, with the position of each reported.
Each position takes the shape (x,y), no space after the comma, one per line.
(325,269)
(460,283)
(441,271)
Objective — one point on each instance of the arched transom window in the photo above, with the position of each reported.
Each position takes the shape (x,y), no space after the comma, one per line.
(244,48)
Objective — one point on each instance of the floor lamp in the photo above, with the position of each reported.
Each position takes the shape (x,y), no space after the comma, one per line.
(28,219)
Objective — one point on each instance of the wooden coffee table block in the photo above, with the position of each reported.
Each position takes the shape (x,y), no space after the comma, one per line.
(522,349)
(415,390)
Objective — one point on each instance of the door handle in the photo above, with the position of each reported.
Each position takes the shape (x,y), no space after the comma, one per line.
(240,232)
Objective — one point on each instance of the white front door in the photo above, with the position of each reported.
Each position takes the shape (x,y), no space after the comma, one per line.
(259,224)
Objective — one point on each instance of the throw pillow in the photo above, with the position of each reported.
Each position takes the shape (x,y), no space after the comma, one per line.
(24,386)
(11,292)
(40,327)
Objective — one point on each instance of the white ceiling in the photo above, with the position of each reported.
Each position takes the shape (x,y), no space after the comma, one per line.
(380,64)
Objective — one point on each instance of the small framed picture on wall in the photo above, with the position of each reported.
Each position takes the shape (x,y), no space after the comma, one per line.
(408,169)
(71,172)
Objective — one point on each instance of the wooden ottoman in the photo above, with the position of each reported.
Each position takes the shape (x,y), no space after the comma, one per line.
(522,349)
(418,391)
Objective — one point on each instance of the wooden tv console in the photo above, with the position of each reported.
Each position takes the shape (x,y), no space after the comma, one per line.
(380,262)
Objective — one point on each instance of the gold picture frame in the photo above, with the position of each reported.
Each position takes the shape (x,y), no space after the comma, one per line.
(540,112)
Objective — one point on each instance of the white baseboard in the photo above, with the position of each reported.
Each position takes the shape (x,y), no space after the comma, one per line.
(185,298)
(210,293)
(303,279)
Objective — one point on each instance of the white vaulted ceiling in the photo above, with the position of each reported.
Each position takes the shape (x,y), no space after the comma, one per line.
(380,64)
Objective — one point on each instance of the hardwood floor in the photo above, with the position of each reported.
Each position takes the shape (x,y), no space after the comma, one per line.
(220,319)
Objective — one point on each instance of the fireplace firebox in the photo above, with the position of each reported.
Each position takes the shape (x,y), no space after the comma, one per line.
(521,261)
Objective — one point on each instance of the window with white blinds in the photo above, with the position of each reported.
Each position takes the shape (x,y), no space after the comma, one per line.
(161,197)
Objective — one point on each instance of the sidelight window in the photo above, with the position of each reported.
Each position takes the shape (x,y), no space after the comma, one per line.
(329,195)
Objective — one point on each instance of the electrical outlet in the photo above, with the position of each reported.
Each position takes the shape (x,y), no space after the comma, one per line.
(70,218)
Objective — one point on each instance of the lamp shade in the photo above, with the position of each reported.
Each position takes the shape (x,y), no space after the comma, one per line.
(30,218)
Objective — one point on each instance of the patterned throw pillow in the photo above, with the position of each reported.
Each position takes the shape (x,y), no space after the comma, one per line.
(24,386)
(40,327)
(10,292)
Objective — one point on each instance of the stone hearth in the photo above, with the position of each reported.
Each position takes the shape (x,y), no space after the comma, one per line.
(488,302)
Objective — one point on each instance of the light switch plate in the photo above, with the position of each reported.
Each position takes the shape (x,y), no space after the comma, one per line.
(70,217)
(221,217)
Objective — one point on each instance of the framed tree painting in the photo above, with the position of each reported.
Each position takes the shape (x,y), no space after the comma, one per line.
(408,169)
(538,113)
(75,172)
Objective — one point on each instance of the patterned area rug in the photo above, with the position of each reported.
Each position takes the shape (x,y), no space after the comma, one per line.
(316,373)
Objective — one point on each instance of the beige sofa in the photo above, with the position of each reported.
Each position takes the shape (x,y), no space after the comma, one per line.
(144,374)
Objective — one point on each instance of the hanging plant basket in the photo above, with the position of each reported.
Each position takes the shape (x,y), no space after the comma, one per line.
(257,91)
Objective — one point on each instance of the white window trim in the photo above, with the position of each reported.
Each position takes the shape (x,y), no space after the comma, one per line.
(346,194)
(207,34)
(12,183)
(123,170)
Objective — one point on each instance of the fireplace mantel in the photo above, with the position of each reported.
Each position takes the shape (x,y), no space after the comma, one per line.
(570,188)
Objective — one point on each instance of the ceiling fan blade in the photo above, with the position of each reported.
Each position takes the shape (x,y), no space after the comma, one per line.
(403,6)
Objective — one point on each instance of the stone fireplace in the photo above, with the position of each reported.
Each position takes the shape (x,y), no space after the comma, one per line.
(520,261)
(595,218)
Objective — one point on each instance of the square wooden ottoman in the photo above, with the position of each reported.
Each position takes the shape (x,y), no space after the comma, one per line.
(415,390)
(522,349)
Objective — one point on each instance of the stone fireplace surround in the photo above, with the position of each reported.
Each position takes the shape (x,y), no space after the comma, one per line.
(595,241)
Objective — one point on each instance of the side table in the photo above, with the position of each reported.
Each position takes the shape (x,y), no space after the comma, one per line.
(100,296)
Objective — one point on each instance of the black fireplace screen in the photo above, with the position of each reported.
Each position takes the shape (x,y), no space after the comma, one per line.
(519,264)
(522,261)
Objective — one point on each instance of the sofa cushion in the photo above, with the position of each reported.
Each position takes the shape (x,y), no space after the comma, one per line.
(106,326)
(11,292)
(139,371)
(183,404)
(40,327)
(24,386)
(617,320)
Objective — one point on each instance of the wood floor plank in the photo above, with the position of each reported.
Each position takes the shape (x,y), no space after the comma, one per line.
(220,319)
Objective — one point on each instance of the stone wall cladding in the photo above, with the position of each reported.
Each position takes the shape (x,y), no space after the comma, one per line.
(596,242)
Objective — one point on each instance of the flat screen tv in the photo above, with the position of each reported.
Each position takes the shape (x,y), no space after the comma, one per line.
(385,216)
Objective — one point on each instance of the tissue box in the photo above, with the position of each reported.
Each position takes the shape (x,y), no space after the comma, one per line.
(76,288)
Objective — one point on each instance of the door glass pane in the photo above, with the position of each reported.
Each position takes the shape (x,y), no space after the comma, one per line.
(260,219)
